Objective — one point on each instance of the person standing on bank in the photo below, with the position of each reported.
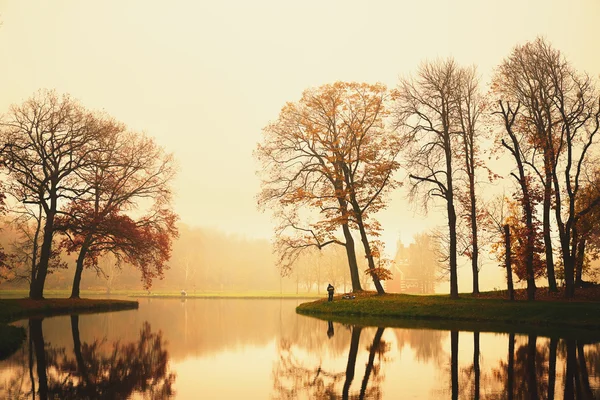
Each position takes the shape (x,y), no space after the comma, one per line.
(330,290)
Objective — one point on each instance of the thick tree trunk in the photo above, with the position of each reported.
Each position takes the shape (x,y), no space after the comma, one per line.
(79,268)
(508,263)
(350,367)
(36,288)
(369,255)
(352,263)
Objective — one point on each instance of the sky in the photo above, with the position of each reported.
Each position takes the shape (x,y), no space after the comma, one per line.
(204,77)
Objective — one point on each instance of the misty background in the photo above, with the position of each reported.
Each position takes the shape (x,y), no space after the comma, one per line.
(204,78)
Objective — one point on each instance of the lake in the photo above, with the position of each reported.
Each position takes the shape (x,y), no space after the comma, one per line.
(261,349)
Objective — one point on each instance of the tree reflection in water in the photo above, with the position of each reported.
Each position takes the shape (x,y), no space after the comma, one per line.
(531,371)
(93,370)
(294,379)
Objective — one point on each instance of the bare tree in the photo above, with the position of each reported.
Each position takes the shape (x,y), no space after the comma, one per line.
(426,111)
(559,116)
(470,106)
(47,139)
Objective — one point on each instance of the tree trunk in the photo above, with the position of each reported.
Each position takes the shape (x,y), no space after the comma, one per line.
(530,246)
(79,267)
(475,255)
(579,260)
(350,367)
(508,263)
(36,288)
(369,255)
(453,261)
(569,272)
(547,237)
(352,263)
(451,218)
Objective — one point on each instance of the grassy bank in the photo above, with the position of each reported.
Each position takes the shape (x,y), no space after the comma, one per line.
(446,313)
(11,337)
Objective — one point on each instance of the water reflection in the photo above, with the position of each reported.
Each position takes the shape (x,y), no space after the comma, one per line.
(262,349)
(532,367)
(293,378)
(95,370)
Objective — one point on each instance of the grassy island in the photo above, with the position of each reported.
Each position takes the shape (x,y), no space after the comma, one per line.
(11,337)
(486,312)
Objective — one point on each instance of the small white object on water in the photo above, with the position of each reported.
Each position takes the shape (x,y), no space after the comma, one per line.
(183,293)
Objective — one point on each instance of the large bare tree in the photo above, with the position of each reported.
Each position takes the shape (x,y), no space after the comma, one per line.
(47,140)
(426,111)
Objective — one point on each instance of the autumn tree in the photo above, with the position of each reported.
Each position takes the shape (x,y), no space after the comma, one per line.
(128,170)
(588,227)
(521,78)
(512,140)
(557,112)
(497,232)
(426,112)
(329,154)
(47,140)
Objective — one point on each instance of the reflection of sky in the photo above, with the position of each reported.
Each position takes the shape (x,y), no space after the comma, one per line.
(233,349)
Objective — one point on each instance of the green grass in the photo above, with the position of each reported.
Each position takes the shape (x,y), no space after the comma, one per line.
(11,337)
(446,313)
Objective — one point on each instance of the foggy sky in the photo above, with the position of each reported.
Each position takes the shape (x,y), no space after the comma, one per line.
(204,77)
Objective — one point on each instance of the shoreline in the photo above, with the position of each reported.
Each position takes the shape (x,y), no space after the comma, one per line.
(465,313)
(11,310)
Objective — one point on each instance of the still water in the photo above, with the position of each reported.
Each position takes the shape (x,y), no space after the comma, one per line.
(261,349)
